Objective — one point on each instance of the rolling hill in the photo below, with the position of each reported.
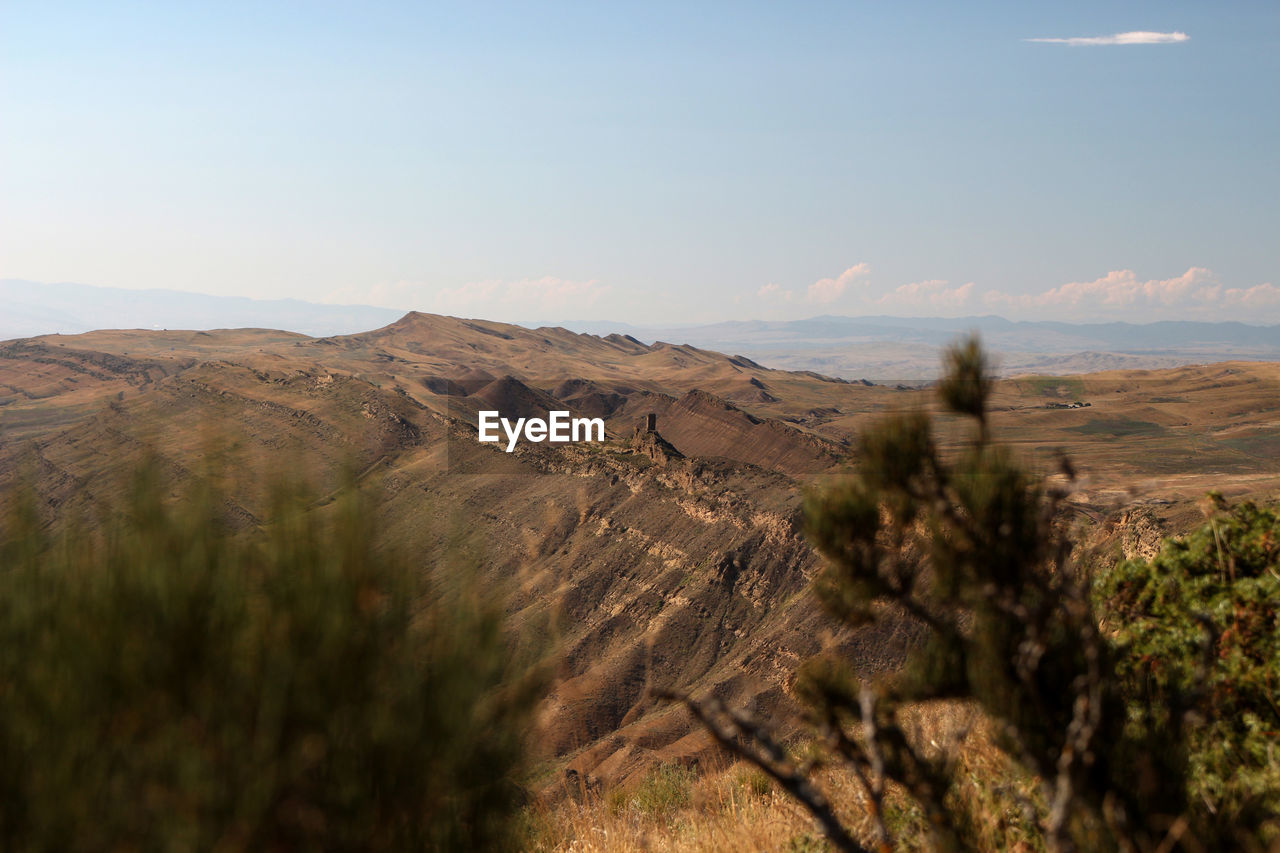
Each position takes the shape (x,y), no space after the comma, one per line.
(683,568)
(883,348)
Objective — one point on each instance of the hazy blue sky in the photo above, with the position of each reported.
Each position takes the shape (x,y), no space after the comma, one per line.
(652,162)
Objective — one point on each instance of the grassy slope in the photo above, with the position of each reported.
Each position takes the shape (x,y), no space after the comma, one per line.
(691,576)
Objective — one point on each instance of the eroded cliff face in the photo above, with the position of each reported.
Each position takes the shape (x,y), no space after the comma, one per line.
(1136,529)
(1139,532)
(690,577)
(689,574)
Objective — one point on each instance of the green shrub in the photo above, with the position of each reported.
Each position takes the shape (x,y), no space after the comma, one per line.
(969,547)
(169,684)
(1198,635)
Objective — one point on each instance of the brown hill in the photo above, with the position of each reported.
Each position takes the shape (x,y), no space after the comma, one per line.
(690,574)
(515,399)
(589,398)
(702,424)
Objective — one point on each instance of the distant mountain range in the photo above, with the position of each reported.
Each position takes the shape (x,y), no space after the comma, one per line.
(879,347)
(29,308)
(1033,336)
(906,348)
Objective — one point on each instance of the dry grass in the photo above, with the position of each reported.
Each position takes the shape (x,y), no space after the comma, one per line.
(737,808)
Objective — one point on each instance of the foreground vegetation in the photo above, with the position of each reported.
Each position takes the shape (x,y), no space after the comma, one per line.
(181,678)
(1196,632)
(1160,618)
(1144,713)
(169,683)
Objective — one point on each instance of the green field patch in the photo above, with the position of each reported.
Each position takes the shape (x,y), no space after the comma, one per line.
(1118,427)
(1057,387)
(1265,445)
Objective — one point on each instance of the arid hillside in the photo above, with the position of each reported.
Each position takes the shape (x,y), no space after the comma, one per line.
(672,560)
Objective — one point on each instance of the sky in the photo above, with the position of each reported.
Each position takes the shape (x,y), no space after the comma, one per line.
(652,162)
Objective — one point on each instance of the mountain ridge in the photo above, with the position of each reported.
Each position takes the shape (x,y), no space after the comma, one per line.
(881,347)
(687,570)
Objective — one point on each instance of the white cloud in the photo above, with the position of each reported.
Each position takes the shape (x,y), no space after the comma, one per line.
(952,298)
(917,288)
(1122,288)
(1258,296)
(932,294)
(774,292)
(854,292)
(827,290)
(1136,37)
(1196,292)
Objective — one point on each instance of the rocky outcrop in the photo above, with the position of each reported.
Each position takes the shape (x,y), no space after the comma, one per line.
(648,442)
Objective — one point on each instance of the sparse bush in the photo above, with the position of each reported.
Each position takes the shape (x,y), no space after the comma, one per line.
(1198,634)
(756,783)
(664,790)
(169,684)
